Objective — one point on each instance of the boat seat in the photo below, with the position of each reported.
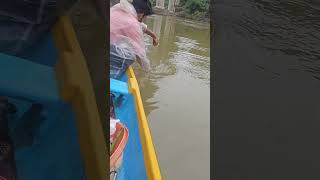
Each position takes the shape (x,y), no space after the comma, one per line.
(118,86)
(28,80)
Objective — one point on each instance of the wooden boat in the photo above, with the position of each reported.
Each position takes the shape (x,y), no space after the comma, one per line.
(139,157)
(68,142)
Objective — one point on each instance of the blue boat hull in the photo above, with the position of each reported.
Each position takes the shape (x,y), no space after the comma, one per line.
(68,142)
(54,152)
(133,167)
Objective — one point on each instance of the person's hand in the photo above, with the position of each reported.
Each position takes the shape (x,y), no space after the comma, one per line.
(155,42)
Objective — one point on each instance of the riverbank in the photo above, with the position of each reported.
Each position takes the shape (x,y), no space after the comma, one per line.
(181,13)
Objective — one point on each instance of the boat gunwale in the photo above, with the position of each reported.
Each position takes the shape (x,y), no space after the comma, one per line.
(149,154)
(75,87)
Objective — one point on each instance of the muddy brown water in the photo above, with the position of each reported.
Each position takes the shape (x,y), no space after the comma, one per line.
(176,96)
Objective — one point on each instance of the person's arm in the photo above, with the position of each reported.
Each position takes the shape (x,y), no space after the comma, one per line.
(150,33)
(153,35)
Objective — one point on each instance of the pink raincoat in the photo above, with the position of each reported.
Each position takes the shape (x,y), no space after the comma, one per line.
(126,31)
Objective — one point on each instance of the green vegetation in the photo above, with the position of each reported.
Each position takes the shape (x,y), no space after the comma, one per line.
(191,9)
(195,9)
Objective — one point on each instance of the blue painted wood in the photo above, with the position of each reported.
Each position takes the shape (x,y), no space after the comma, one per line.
(22,78)
(44,52)
(55,152)
(118,86)
(133,167)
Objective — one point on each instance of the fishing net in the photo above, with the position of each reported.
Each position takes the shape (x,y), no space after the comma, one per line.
(126,29)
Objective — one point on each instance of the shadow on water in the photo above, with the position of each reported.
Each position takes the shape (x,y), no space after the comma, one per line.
(173,92)
(266,89)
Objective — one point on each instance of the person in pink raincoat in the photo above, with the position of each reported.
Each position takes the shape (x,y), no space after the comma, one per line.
(126,36)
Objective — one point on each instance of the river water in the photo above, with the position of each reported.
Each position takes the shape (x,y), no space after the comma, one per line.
(266,106)
(176,96)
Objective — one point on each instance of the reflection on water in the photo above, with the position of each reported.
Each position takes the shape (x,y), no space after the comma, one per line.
(176,96)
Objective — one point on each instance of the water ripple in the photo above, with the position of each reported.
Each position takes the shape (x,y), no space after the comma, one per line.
(290,27)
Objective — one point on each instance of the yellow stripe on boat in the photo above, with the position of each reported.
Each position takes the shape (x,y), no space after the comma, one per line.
(75,87)
(149,154)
